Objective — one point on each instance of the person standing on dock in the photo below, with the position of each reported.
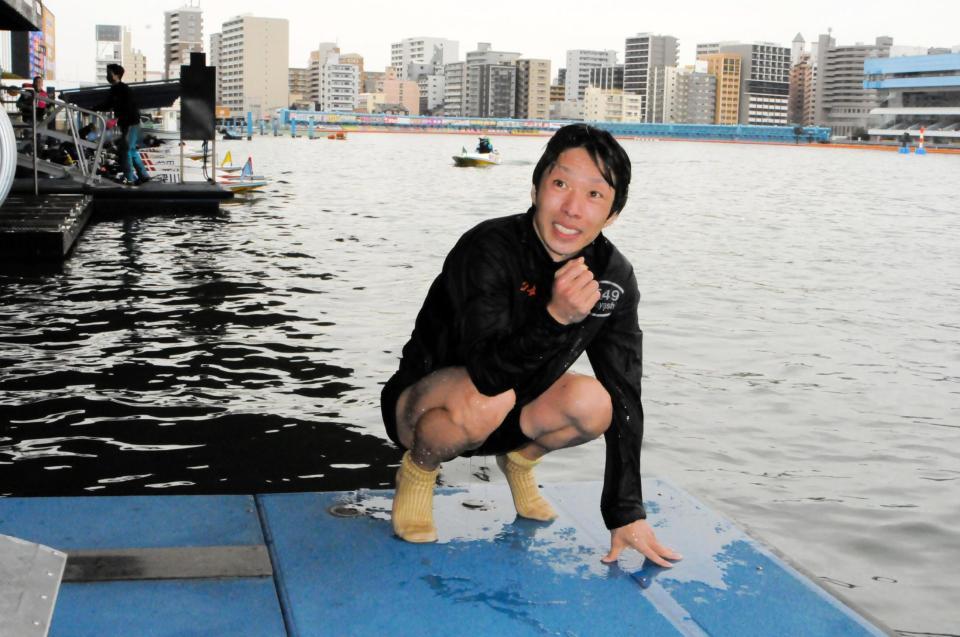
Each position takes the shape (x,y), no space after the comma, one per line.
(121,101)
(517,302)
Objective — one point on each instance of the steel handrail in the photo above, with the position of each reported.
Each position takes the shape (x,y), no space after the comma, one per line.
(71,111)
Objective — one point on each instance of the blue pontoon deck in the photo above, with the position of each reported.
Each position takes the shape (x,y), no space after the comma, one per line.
(310,564)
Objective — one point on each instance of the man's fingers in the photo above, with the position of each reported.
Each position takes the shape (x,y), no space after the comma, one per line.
(651,555)
(569,266)
(612,555)
(665,551)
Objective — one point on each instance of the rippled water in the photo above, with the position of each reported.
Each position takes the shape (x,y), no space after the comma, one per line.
(800,308)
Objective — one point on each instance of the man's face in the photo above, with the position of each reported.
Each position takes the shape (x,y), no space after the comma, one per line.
(573,204)
(111,77)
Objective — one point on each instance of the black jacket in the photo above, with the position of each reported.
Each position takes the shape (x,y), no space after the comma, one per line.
(122,103)
(486,311)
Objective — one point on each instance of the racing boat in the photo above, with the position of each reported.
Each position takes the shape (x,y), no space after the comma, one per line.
(484,155)
(245,181)
(476,159)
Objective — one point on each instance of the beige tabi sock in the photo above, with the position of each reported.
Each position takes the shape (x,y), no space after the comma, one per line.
(413,502)
(523,486)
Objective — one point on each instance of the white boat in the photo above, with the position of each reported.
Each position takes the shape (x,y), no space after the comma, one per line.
(476,159)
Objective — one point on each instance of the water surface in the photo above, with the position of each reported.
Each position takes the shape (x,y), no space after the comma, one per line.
(800,309)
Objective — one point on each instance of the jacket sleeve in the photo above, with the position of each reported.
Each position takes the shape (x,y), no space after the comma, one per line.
(616,355)
(497,355)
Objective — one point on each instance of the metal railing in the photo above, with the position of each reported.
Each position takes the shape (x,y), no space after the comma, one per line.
(41,131)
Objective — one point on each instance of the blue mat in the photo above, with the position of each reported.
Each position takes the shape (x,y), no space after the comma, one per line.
(339,570)
(494,574)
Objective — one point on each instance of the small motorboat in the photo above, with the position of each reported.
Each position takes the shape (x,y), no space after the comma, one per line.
(484,155)
(246,181)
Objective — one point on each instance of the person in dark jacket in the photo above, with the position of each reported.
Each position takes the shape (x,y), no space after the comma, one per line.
(124,106)
(485,371)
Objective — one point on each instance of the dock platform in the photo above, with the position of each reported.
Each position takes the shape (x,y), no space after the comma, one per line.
(46,226)
(312,564)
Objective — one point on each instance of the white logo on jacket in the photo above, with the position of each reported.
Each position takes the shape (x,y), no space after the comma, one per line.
(610,293)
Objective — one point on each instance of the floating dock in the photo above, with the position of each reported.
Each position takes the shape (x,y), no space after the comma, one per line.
(46,226)
(312,564)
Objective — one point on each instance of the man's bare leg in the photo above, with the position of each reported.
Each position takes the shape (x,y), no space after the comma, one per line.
(438,418)
(574,410)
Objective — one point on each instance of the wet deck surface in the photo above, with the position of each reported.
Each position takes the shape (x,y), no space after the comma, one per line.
(335,568)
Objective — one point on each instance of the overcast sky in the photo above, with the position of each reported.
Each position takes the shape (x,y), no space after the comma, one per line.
(534,29)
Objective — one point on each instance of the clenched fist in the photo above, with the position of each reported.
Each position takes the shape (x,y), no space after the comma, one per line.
(575,292)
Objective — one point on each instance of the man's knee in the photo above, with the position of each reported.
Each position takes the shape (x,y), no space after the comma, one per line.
(478,414)
(587,404)
(475,414)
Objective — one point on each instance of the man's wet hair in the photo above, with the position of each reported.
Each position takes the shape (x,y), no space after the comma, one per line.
(611,160)
(116,69)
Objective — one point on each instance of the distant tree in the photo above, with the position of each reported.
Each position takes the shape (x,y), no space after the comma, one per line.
(797,133)
(860,135)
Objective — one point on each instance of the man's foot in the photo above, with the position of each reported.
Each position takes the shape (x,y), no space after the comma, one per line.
(142,180)
(413,502)
(523,487)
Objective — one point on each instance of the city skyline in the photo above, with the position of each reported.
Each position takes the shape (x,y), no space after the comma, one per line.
(691,24)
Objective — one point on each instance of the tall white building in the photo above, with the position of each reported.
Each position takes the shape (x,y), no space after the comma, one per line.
(455,77)
(339,85)
(645,58)
(579,63)
(182,34)
(841,101)
(114,46)
(253,72)
(437,52)
(432,89)
(110,38)
(315,65)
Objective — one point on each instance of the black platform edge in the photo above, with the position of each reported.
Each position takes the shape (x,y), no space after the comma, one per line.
(47,234)
(107,190)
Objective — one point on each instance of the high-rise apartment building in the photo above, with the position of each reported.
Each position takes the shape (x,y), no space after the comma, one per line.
(579,64)
(533,89)
(803,91)
(432,88)
(253,73)
(490,82)
(317,60)
(726,68)
(182,34)
(842,102)
(339,86)
(692,97)
(492,90)
(644,54)
(438,52)
(764,80)
(112,41)
(455,76)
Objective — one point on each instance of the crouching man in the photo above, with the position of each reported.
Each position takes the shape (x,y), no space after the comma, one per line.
(485,371)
